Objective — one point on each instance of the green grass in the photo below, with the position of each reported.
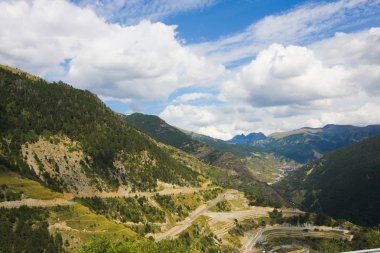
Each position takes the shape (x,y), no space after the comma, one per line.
(180,205)
(237,204)
(233,240)
(124,209)
(30,188)
(81,218)
(86,225)
(190,200)
(222,206)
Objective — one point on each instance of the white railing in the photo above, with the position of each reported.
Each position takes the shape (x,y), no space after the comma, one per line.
(364,251)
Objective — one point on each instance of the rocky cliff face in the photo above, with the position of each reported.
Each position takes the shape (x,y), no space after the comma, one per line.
(61,160)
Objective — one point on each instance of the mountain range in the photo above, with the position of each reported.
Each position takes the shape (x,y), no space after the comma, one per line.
(248,139)
(307,144)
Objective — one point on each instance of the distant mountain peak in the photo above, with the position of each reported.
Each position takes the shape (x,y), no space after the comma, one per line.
(248,139)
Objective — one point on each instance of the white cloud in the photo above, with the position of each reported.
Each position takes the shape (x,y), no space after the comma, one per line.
(225,121)
(358,52)
(144,61)
(192,96)
(188,115)
(350,49)
(301,25)
(333,81)
(368,113)
(287,75)
(133,11)
(222,121)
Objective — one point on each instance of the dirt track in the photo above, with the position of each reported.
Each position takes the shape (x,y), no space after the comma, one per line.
(35,203)
(252,212)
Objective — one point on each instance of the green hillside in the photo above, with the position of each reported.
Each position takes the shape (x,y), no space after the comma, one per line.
(163,132)
(226,168)
(343,184)
(55,115)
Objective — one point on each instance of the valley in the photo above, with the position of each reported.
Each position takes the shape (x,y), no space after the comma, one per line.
(191,126)
(87,179)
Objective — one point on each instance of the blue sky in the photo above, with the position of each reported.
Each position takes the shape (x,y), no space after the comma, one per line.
(217,67)
(220,19)
(225,17)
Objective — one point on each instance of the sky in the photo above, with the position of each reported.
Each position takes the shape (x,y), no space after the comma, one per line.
(216,67)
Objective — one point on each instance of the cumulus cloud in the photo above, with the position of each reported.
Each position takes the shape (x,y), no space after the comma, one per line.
(56,38)
(360,54)
(361,116)
(220,121)
(333,81)
(188,115)
(287,75)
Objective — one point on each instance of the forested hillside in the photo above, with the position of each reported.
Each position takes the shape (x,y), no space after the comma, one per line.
(96,139)
(344,184)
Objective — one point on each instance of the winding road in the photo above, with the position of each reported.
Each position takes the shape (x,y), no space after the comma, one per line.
(198,212)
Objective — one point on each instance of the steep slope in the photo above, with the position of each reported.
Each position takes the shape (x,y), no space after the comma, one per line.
(228,169)
(68,139)
(306,144)
(344,184)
